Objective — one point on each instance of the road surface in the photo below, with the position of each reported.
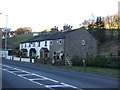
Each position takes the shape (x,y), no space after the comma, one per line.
(26,75)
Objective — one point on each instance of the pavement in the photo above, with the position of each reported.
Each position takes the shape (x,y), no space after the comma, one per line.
(27,75)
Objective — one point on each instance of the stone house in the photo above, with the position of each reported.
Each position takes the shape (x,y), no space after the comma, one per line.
(56,47)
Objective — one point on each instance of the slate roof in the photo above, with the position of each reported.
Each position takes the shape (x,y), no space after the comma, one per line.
(58,35)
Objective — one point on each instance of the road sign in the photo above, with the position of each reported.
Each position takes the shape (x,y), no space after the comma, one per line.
(6,30)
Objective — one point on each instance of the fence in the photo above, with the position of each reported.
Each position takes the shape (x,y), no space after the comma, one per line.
(20,59)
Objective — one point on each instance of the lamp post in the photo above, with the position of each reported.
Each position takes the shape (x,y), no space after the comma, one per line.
(6,32)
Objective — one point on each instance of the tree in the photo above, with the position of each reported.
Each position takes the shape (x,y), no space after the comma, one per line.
(91,26)
(99,23)
(24,30)
(67,27)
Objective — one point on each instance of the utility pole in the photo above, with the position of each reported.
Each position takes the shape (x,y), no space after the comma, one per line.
(6,32)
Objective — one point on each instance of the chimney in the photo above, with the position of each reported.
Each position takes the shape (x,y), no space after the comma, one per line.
(54,30)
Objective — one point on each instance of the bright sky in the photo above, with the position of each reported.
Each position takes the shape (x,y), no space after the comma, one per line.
(43,14)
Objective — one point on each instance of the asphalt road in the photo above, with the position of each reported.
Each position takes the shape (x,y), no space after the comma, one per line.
(26,75)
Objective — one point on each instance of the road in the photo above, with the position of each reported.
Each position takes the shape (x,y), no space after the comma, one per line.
(26,75)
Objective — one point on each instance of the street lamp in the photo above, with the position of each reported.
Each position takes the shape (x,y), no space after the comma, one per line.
(6,31)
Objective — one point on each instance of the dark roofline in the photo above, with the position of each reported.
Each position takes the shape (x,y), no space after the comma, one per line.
(54,36)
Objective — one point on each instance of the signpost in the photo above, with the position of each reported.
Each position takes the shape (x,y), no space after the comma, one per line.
(84,63)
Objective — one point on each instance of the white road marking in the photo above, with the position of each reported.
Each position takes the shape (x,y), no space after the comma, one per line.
(37,79)
(7,66)
(13,71)
(41,78)
(67,85)
(4,69)
(22,75)
(54,86)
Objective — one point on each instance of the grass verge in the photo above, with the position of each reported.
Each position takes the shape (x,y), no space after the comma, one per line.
(93,70)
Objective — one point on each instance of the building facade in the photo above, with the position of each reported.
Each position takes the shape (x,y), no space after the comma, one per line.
(57,46)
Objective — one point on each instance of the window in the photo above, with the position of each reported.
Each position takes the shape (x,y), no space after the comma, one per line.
(25,44)
(29,44)
(33,44)
(83,42)
(46,55)
(21,45)
(38,44)
(60,41)
(45,43)
(54,53)
(51,42)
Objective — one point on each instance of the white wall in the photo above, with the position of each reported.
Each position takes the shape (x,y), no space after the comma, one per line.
(18,59)
(3,53)
(37,48)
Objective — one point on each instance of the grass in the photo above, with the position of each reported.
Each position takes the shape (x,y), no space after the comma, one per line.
(94,70)
(15,41)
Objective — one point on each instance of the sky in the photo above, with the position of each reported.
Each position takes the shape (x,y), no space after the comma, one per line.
(44,14)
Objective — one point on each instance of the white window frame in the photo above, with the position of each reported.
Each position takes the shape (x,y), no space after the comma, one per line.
(33,44)
(83,42)
(51,42)
(60,40)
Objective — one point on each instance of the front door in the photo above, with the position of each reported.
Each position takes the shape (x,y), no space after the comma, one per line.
(42,54)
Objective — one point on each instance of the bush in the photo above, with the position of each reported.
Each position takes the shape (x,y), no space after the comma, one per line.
(98,61)
(101,61)
(90,61)
(77,61)
(33,57)
(113,62)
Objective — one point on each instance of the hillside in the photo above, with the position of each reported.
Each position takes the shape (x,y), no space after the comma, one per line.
(13,42)
(109,47)
(107,41)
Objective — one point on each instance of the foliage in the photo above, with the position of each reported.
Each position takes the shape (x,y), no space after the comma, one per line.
(90,61)
(108,22)
(98,61)
(19,53)
(77,61)
(113,62)
(67,27)
(33,57)
(99,23)
(99,34)
(24,30)
(15,41)
(101,61)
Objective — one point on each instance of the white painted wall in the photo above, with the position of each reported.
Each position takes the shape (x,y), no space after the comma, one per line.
(3,54)
(18,59)
(37,48)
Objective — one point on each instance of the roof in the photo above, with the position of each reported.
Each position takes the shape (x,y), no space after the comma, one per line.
(58,35)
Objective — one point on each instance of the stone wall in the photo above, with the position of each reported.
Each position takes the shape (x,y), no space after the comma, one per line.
(56,48)
(80,43)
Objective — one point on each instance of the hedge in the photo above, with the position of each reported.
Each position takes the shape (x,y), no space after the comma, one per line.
(98,61)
